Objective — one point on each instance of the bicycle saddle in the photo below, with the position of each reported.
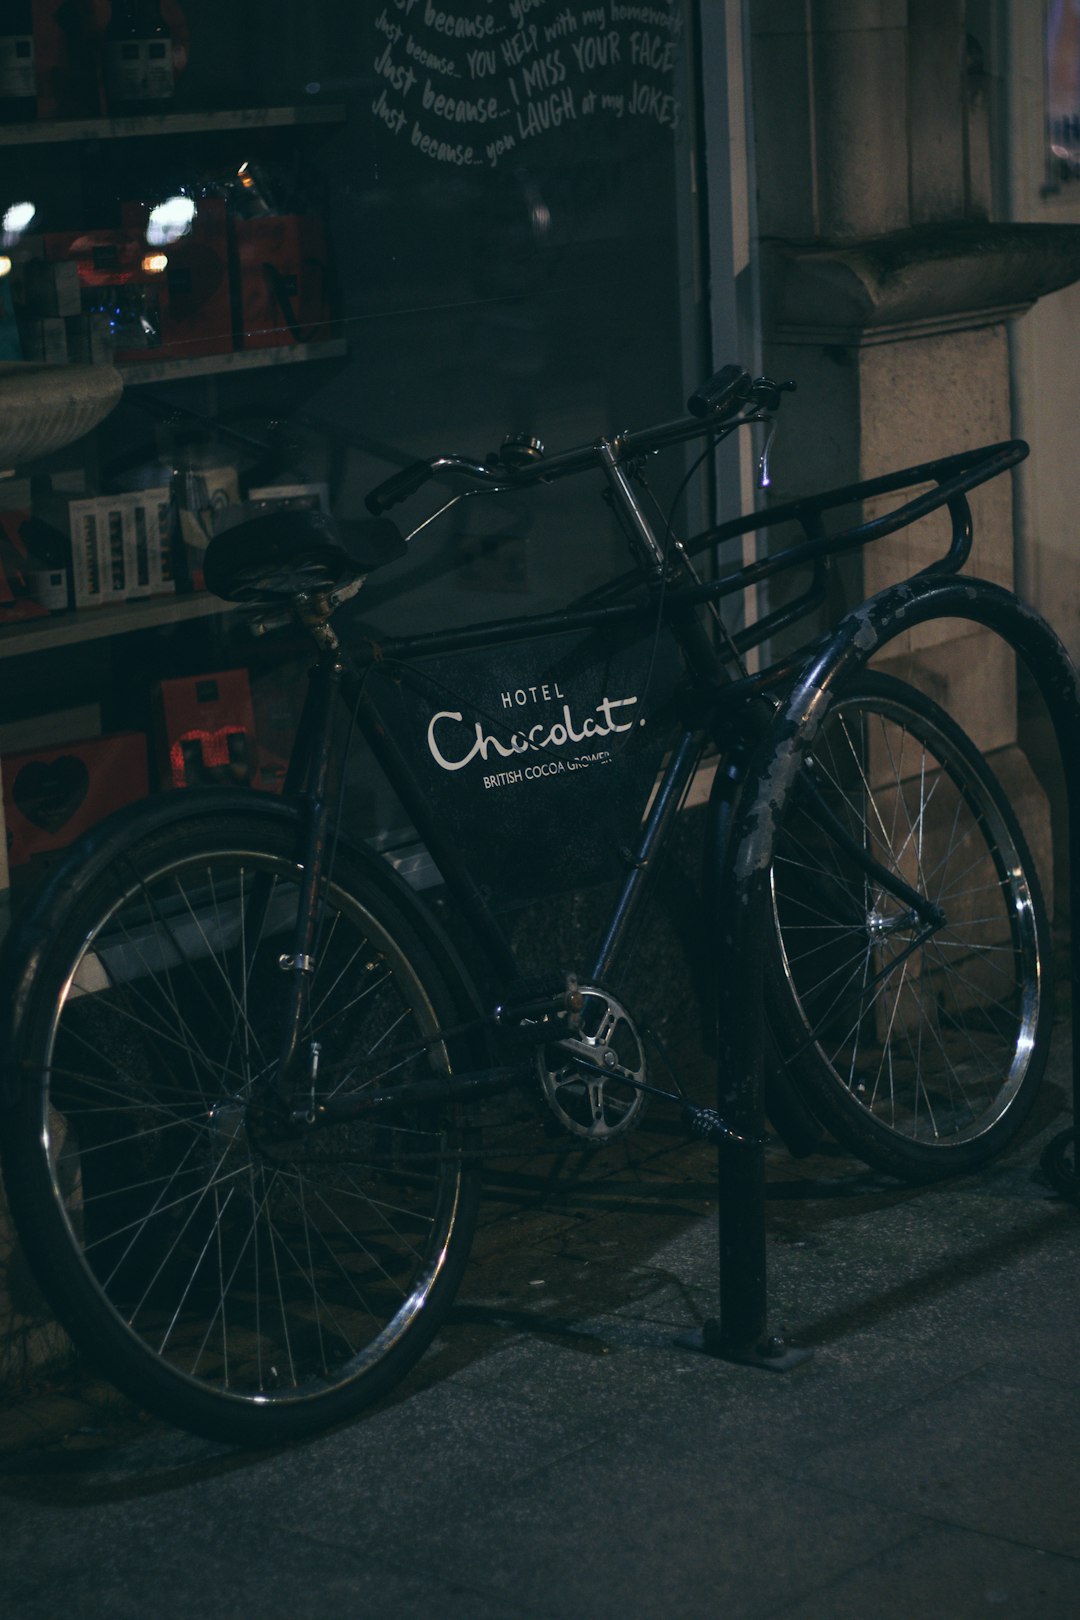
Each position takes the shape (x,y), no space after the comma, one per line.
(275,556)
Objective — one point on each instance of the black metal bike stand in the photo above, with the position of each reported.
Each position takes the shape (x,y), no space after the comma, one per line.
(741,1332)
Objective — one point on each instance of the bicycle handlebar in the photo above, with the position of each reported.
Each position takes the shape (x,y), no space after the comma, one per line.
(716,404)
(398,487)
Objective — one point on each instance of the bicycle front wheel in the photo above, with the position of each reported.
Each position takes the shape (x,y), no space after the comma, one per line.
(242,1283)
(918,1044)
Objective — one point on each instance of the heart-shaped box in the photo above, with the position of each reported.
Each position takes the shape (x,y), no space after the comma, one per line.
(53,795)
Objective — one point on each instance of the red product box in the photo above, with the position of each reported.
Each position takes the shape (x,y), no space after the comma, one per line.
(196,297)
(16,599)
(104,258)
(67,38)
(66,34)
(53,795)
(112,280)
(282,280)
(206,730)
(187,305)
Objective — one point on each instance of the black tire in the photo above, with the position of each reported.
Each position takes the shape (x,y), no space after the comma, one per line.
(245,1285)
(923,1059)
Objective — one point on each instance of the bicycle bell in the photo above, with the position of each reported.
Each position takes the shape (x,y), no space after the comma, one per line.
(520,450)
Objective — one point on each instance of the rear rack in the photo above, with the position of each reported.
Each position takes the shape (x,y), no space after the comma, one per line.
(954,476)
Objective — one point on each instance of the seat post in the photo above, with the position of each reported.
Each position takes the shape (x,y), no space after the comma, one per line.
(299,963)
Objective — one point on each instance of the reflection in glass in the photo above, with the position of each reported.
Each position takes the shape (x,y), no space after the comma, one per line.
(1063,89)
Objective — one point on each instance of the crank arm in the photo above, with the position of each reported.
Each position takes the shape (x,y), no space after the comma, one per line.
(701,1124)
(599,1072)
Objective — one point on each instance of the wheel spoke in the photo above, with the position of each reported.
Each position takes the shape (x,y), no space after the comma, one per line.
(908,1046)
(275,1274)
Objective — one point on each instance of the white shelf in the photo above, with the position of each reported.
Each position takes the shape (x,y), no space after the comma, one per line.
(209,365)
(190,123)
(94,624)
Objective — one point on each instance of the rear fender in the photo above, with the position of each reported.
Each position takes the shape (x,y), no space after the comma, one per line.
(108,842)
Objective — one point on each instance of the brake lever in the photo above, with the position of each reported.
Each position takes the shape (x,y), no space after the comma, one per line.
(765,393)
(764,481)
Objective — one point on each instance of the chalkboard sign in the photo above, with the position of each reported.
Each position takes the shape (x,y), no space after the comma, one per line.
(522,146)
(513,235)
(470,87)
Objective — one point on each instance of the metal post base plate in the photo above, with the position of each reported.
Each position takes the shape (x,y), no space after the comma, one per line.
(1061,1164)
(773,1353)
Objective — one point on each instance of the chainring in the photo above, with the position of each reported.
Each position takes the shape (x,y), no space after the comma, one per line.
(587,1078)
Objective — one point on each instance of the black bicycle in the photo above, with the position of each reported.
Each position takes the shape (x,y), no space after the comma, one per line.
(248,1068)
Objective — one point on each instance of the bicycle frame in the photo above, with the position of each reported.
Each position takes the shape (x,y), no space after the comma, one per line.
(209,977)
(716,706)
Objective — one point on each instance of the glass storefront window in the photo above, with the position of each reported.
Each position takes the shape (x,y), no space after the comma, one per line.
(323,241)
(1063,91)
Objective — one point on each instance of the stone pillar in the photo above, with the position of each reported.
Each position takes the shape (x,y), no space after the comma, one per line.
(886,294)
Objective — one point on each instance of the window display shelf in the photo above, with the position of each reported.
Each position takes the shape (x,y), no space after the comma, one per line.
(93,624)
(183,123)
(208,365)
(86,178)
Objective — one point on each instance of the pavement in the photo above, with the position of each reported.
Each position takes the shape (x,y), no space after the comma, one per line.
(556,1455)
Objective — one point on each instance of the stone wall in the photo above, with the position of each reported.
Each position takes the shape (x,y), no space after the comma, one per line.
(887,295)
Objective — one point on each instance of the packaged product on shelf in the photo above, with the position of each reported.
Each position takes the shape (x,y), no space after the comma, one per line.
(43,288)
(194,294)
(70,42)
(10,346)
(206,730)
(54,794)
(66,47)
(90,340)
(204,495)
(39,731)
(16,596)
(18,68)
(137,59)
(49,586)
(291,497)
(5,867)
(44,339)
(43,555)
(114,285)
(161,302)
(283,280)
(121,547)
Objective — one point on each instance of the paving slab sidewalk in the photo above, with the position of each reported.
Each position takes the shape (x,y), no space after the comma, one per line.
(556,1455)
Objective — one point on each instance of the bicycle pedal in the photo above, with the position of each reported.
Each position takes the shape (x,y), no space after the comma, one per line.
(707,1125)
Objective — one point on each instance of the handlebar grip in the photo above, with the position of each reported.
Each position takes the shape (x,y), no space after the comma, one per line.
(723,393)
(398,487)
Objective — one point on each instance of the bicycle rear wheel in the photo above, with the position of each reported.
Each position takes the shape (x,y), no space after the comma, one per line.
(919,1047)
(241,1283)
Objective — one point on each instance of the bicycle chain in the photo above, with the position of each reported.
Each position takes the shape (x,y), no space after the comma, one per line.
(569,1144)
(477,1155)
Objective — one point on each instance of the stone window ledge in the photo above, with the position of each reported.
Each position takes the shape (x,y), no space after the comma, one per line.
(911,283)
